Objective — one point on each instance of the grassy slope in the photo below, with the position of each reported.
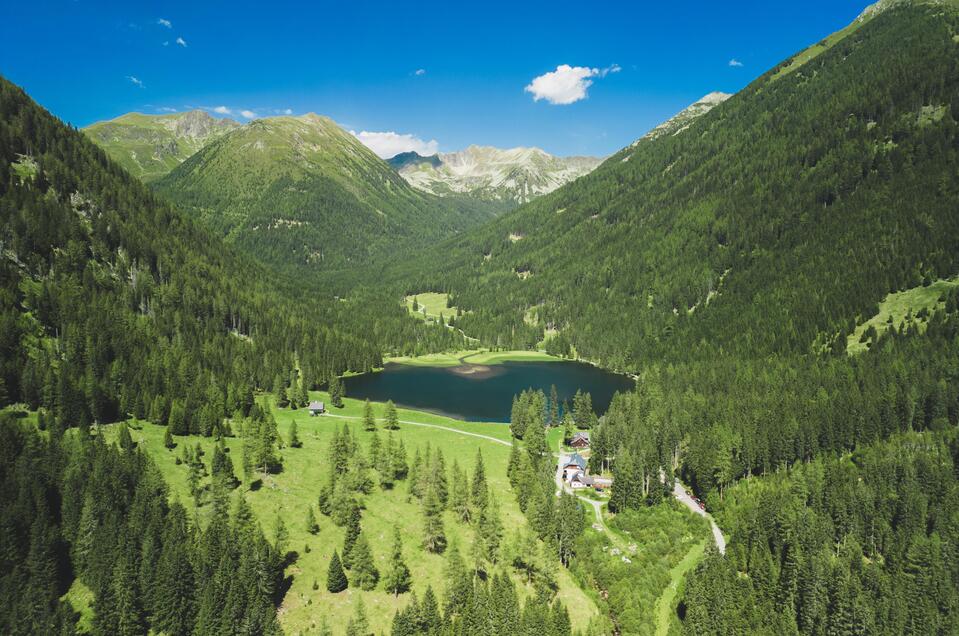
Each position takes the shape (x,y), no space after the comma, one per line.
(145,145)
(666,619)
(899,306)
(304,194)
(289,493)
(431,305)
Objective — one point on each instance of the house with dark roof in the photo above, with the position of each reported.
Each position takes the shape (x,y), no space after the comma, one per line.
(581,480)
(316,408)
(580,440)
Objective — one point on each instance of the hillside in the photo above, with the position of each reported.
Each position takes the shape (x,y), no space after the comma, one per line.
(515,176)
(767,225)
(150,146)
(305,195)
(115,303)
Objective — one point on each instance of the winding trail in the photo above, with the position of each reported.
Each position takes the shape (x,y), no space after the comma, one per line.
(680,493)
(597,506)
(442,428)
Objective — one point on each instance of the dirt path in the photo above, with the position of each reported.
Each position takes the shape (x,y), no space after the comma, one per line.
(597,506)
(442,428)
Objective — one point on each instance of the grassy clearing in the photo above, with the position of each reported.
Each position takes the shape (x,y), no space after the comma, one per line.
(80,598)
(431,305)
(666,605)
(289,493)
(658,539)
(26,168)
(899,307)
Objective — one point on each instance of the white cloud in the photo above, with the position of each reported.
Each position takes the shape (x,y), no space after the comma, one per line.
(419,71)
(181,42)
(735,62)
(249,114)
(133,80)
(166,43)
(283,111)
(221,110)
(389,144)
(165,23)
(165,109)
(567,84)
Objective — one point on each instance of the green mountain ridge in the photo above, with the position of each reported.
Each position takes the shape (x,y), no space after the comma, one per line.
(805,197)
(150,146)
(305,195)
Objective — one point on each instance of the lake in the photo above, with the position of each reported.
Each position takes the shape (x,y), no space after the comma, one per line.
(483,393)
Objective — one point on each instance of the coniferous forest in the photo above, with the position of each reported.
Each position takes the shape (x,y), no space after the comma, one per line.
(752,272)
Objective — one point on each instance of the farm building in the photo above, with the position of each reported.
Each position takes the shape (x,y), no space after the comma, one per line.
(572,465)
(580,440)
(316,408)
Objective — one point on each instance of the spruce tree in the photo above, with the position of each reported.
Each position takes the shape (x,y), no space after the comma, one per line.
(369,421)
(397,579)
(400,467)
(437,475)
(352,533)
(337,392)
(363,569)
(458,582)
(311,525)
(392,418)
(124,439)
(434,535)
(336,580)
(478,488)
(358,625)
(294,439)
(459,501)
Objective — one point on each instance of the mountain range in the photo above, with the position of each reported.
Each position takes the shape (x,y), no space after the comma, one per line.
(517,175)
(302,193)
(727,260)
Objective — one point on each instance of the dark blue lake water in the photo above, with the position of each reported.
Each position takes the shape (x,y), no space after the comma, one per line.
(484,393)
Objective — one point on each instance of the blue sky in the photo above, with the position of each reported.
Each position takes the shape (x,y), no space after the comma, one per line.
(357,62)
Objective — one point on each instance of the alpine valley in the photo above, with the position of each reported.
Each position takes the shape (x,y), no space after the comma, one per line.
(239,362)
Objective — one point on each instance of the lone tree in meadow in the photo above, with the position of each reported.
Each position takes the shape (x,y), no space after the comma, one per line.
(168,439)
(311,525)
(398,577)
(369,422)
(392,419)
(336,580)
(294,438)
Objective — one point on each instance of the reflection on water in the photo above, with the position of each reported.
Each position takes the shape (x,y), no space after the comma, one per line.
(483,393)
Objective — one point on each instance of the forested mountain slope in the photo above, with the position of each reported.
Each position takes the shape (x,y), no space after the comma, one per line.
(113,303)
(150,146)
(768,225)
(303,194)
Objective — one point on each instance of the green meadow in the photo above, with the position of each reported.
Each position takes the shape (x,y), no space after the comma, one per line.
(900,308)
(288,495)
